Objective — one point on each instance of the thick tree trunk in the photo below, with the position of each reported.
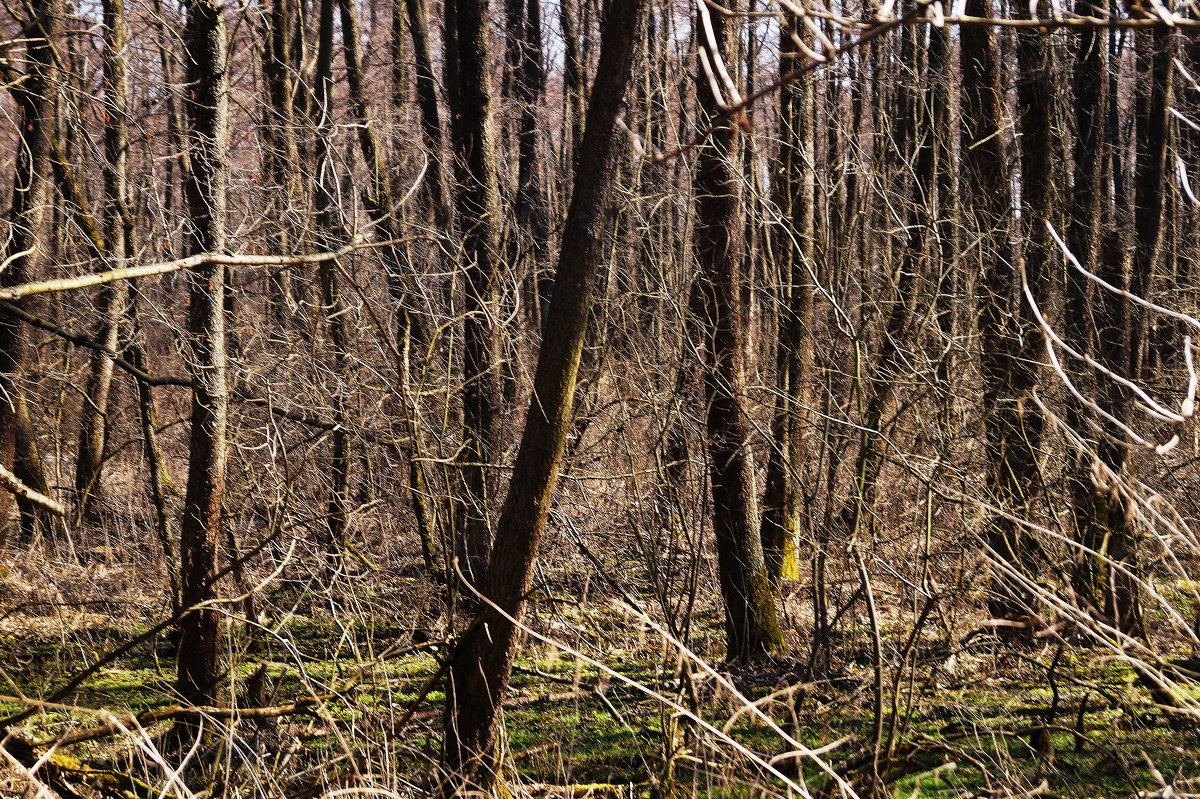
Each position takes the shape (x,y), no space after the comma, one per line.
(482,663)
(1011,426)
(477,202)
(207,106)
(35,97)
(752,626)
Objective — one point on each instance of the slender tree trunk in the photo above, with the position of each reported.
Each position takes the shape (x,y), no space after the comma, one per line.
(282,150)
(431,124)
(574,79)
(330,227)
(118,233)
(381,205)
(782,520)
(1152,103)
(482,664)
(751,623)
(207,105)
(1091,499)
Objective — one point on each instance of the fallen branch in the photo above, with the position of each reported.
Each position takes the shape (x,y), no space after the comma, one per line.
(190,262)
(13,485)
(118,724)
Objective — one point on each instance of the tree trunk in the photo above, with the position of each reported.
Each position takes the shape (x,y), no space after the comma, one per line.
(207,105)
(482,663)
(118,235)
(1011,427)
(431,124)
(477,202)
(282,150)
(751,623)
(782,520)
(329,231)
(35,98)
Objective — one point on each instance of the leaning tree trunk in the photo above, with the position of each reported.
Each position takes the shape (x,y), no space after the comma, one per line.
(477,203)
(207,106)
(482,664)
(751,624)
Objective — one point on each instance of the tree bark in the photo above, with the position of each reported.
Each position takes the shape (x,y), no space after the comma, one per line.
(782,520)
(207,105)
(431,123)
(1011,425)
(751,624)
(118,239)
(482,664)
(477,205)
(35,98)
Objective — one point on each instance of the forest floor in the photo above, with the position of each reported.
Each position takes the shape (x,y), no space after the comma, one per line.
(356,701)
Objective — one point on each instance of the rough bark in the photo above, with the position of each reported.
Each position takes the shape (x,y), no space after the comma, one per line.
(482,664)
(477,205)
(207,106)
(751,622)
(35,97)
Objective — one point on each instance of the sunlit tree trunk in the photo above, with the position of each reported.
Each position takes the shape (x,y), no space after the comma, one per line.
(118,237)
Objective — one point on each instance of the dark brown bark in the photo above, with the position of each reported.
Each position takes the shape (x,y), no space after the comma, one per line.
(1087,313)
(574,79)
(281,154)
(330,227)
(751,623)
(1011,424)
(35,97)
(477,205)
(482,663)
(207,106)
(431,124)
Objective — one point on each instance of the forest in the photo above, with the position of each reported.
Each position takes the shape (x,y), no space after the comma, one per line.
(605,398)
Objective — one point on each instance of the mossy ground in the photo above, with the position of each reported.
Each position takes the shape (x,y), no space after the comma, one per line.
(962,727)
